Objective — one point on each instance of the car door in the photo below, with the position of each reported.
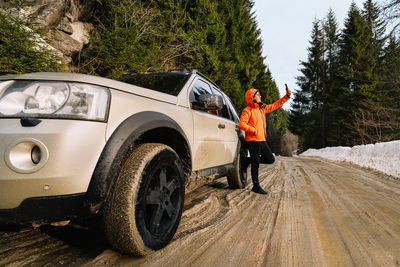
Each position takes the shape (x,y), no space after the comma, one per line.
(208,133)
(229,123)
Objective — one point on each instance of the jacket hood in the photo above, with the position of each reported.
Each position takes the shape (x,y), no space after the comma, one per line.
(249,97)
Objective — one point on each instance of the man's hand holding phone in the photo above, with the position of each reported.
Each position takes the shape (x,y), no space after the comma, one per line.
(288,91)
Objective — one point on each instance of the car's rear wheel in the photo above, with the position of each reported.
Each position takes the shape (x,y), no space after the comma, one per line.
(145,204)
(237,178)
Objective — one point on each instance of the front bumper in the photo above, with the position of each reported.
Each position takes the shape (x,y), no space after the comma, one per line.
(41,210)
(73,149)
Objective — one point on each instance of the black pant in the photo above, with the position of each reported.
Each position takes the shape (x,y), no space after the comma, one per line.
(259,153)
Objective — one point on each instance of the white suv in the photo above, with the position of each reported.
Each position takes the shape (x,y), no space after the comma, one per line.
(76,145)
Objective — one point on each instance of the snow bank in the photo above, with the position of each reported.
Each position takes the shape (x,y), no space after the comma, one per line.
(384,157)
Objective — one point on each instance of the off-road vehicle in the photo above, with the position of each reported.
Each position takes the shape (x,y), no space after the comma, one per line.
(75,145)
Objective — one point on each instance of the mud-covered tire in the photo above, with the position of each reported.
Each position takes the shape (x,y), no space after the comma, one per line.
(237,178)
(144,207)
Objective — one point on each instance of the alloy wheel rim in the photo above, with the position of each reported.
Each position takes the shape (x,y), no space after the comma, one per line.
(162,200)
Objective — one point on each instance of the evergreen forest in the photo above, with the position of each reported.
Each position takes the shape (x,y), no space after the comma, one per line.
(349,87)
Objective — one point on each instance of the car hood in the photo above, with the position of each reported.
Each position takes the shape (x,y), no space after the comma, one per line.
(84,78)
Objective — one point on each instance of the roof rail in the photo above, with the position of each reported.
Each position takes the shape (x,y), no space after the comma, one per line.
(194,71)
(184,71)
(127,75)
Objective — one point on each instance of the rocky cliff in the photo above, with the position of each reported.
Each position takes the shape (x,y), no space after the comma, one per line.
(62,29)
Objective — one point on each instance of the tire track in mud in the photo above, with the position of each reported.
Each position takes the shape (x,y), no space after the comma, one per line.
(291,244)
(361,239)
(317,213)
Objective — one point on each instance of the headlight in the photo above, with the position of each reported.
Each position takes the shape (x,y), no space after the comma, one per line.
(53,100)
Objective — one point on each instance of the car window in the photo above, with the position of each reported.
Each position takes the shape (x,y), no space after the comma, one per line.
(224,112)
(232,109)
(199,88)
(169,83)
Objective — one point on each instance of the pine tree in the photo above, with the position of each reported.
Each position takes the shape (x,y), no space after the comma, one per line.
(375,25)
(242,63)
(138,36)
(392,10)
(372,112)
(390,73)
(308,104)
(358,80)
(331,35)
(389,90)
(298,116)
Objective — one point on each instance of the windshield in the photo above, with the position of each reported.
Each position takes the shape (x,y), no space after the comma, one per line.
(169,83)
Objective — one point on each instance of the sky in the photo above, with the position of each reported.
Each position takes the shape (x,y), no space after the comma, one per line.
(286,31)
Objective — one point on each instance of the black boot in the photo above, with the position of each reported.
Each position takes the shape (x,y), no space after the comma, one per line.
(257,189)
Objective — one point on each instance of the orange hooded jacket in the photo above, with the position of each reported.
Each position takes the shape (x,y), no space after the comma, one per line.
(252,120)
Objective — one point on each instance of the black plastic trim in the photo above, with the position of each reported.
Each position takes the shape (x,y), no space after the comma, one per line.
(215,172)
(116,149)
(39,210)
(30,122)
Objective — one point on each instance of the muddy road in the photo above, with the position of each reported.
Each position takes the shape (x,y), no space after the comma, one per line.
(317,213)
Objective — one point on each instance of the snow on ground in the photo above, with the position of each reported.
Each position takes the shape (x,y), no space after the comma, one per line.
(384,157)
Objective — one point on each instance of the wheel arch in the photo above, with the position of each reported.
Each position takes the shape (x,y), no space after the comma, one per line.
(143,127)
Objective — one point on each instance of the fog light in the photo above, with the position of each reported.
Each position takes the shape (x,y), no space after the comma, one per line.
(36,155)
(26,155)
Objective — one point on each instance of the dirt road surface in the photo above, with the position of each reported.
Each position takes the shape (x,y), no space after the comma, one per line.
(317,213)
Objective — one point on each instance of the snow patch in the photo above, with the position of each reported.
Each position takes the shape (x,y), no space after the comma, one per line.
(79,32)
(384,157)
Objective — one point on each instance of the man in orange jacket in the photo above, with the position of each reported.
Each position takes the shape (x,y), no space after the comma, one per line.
(252,122)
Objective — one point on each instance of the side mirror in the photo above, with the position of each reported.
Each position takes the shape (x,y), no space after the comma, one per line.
(208,102)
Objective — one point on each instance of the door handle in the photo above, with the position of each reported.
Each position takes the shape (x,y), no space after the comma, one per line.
(221,125)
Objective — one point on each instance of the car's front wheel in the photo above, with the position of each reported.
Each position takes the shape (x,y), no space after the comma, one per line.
(145,204)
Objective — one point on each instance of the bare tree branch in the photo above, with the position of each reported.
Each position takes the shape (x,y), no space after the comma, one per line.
(377,123)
